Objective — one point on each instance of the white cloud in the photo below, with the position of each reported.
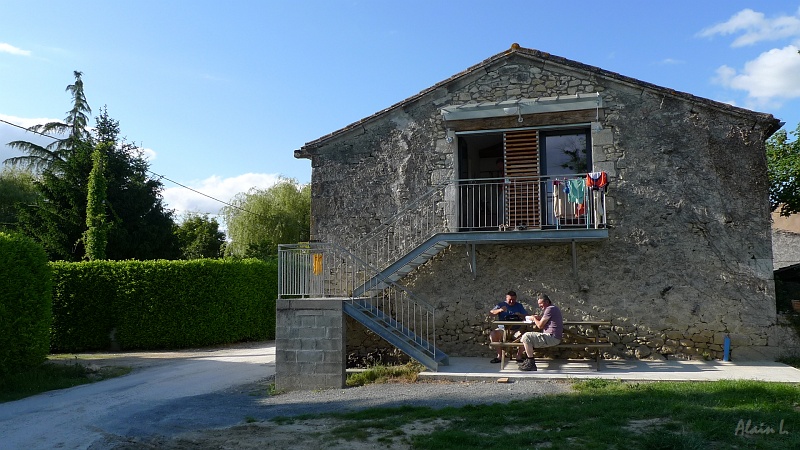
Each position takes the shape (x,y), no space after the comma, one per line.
(183,200)
(25,122)
(755,27)
(10,133)
(8,48)
(147,153)
(772,76)
(671,62)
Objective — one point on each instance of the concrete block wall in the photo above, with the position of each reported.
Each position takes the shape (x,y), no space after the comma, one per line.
(310,341)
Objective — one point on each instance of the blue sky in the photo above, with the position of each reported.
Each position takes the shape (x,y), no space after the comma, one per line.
(220,93)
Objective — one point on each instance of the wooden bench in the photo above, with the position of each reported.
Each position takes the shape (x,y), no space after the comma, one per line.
(593,345)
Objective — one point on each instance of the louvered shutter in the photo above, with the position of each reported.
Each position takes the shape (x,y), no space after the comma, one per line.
(522,190)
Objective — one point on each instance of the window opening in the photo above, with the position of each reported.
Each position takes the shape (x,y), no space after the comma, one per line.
(566,154)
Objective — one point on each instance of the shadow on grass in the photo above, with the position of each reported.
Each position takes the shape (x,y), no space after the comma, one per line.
(607,414)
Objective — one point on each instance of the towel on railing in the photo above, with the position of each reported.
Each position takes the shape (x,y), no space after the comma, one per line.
(577,190)
(558,207)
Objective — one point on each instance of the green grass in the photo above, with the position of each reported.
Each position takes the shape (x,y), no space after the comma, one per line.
(49,377)
(600,414)
(385,374)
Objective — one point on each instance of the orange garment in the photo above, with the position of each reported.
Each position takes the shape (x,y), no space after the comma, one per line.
(317,265)
(596,180)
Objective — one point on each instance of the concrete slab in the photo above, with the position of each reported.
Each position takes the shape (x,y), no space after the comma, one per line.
(472,369)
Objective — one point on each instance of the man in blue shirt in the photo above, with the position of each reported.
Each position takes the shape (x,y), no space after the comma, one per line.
(509,309)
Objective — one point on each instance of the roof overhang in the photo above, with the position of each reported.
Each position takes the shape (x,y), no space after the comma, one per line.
(523,106)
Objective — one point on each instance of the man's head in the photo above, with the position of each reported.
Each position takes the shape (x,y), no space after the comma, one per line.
(511,297)
(543,301)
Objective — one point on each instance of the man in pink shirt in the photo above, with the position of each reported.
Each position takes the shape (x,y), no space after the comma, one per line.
(552,325)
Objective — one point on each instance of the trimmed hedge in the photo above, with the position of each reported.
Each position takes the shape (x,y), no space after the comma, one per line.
(162,304)
(84,299)
(25,296)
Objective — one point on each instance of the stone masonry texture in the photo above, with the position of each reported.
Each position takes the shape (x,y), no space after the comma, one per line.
(688,259)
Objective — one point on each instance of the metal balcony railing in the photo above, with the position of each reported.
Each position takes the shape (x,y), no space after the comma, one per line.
(531,203)
(544,202)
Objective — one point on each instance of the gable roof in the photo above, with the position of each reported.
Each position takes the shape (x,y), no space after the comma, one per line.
(771,123)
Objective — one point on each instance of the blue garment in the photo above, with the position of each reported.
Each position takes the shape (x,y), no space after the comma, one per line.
(510,310)
(577,187)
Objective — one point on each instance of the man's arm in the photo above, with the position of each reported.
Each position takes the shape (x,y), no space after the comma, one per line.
(497,310)
(541,322)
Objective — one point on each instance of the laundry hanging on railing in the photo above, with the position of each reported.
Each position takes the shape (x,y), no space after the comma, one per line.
(576,194)
(558,204)
(596,182)
(317,264)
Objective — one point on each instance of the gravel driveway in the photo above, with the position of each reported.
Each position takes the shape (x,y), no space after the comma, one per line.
(196,399)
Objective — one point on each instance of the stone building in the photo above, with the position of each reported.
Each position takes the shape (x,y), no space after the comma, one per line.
(675,250)
(785,240)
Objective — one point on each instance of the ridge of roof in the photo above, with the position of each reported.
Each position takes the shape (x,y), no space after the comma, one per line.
(533,53)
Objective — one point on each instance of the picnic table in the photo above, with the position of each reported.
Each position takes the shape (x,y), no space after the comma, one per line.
(575,336)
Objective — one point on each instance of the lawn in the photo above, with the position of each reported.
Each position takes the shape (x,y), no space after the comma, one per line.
(599,414)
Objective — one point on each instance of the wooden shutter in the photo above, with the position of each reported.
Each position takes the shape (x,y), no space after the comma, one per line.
(522,190)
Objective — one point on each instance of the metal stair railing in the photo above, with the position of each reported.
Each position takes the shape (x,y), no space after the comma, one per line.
(325,270)
(410,227)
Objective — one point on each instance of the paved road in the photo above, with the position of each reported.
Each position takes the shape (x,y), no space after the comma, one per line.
(167,393)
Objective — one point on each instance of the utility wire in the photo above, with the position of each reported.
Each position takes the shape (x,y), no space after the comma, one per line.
(158,175)
(204,195)
(23,128)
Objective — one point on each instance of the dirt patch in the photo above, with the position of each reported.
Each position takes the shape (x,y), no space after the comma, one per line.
(296,434)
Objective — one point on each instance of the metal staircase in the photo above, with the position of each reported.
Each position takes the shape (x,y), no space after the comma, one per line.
(323,270)
(405,265)
(366,274)
(396,333)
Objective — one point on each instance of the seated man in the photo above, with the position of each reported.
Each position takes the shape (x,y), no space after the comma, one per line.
(552,325)
(507,310)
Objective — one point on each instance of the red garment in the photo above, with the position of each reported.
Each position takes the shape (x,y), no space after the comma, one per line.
(596,180)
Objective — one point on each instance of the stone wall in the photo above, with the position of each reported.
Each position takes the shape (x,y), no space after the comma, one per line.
(785,248)
(688,259)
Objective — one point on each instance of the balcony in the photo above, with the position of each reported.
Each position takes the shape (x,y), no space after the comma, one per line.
(530,203)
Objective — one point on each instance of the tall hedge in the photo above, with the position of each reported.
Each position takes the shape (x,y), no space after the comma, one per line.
(84,299)
(25,303)
(162,304)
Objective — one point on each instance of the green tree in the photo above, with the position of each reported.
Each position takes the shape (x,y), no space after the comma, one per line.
(140,226)
(16,190)
(57,217)
(199,237)
(261,219)
(137,223)
(783,167)
(74,127)
(95,237)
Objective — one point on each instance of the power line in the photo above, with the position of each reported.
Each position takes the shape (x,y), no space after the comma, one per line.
(23,128)
(156,174)
(204,195)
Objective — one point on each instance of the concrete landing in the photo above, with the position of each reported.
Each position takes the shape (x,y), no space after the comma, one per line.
(472,369)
